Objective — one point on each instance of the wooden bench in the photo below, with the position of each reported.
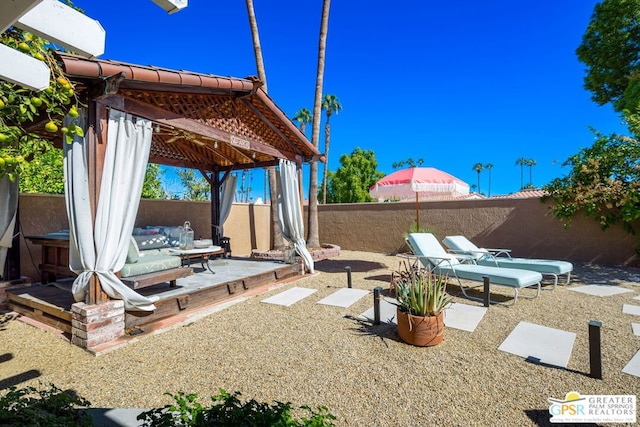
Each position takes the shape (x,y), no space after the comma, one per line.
(149,279)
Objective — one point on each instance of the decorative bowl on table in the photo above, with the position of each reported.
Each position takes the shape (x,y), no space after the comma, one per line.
(202,243)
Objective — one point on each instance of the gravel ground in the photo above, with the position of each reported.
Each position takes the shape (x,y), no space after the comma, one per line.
(310,354)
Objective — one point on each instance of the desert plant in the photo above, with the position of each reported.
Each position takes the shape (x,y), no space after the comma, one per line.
(228,410)
(50,406)
(419,291)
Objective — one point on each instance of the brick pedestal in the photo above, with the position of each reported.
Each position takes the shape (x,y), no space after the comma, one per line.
(92,325)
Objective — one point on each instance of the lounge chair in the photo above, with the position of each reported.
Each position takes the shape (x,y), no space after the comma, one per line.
(502,258)
(432,255)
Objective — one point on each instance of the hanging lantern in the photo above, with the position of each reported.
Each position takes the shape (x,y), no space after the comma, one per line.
(186,236)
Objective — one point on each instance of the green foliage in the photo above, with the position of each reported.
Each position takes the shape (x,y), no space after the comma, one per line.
(196,188)
(44,173)
(49,407)
(604,182)
(410,163)
(152,186)
(52,407)
(227,410)
(420,292)
(303,116)
(611,51)
(356,174)
(21,109)
(415,229)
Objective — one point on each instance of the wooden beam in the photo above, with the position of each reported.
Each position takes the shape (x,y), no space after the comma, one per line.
(271,125)
(178,121)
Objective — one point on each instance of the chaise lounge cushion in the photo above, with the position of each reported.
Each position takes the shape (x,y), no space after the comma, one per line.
(150,262)
(431,253)
(545,266)
(508,277)
(133,254)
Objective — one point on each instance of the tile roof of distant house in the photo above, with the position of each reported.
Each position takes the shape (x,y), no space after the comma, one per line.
(522,194)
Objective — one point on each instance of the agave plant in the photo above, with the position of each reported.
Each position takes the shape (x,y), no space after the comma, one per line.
(421,292)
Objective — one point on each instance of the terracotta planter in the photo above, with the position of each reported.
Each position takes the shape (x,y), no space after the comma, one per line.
(420,331)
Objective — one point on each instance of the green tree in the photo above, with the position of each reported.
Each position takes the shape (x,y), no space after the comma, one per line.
(303,116)
(351,181)
(530,164)
(330,104)
(195,188)
(313,236)
(478,167)
(44,173)
(152,185)
(409,163)
(610,49)
(488,167)
(604,183)
(522,162)
(22,110)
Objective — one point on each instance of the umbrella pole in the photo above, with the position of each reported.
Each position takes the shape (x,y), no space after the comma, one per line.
(417,214)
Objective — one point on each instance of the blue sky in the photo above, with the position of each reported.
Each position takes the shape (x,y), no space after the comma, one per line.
(453,83)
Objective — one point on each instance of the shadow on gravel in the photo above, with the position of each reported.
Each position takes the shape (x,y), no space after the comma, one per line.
(382,331)
(357,266)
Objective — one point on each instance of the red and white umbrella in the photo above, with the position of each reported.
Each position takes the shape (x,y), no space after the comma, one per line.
(414,182)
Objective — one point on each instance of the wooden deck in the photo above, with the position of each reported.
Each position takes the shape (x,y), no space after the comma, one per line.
(51,303)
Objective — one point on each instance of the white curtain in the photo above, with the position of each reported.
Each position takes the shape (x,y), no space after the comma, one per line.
(102,250)
(227,195)
(290,210)
(8,209)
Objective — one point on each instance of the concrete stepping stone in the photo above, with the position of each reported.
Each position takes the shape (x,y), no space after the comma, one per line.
(633,367)
(344,297)
(631,309)
(290,296)
(458,316)
(546,345)
(600,290)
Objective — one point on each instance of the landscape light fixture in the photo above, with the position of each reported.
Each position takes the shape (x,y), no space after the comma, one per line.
(215,144)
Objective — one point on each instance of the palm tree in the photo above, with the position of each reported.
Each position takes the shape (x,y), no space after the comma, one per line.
(531,163)
(478,168)
(276,231)
(521,162)
(330,104)
(313,236)
(303,116)
(488,167)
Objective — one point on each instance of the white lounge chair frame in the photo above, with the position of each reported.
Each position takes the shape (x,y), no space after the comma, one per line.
(435,261)
(494,255)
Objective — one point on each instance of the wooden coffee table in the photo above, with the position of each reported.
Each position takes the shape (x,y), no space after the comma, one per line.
(186,255)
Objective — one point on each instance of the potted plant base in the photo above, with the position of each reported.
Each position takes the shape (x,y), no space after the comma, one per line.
(421,331)
(421,298)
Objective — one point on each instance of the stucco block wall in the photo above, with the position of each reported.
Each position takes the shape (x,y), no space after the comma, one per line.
(523,225)
(247,225)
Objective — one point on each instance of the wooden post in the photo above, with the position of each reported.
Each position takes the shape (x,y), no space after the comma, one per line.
(215,207)
(97,122)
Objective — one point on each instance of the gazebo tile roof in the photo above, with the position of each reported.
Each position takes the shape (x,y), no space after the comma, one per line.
(209,122)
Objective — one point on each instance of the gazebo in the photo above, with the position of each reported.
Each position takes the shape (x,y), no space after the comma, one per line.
(206,122)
